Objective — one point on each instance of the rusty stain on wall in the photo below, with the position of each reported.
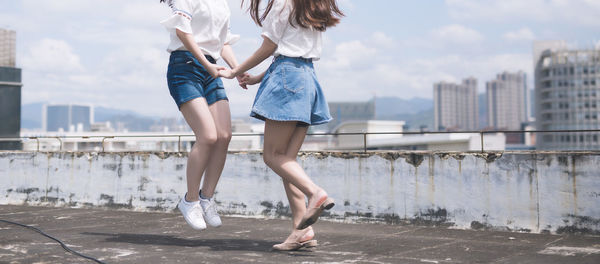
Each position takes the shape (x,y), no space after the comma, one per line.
(574,179)
(574,224)
(431,183)
(414,159)
(503,190)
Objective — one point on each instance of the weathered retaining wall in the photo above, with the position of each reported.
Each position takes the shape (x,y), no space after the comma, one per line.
(533,192)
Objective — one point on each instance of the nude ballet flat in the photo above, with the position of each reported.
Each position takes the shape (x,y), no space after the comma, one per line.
(312,214)
(293,246)
(305,241)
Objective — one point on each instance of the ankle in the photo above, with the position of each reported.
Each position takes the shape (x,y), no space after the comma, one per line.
(204,197)
(188,199)
(310,234)
(301,235)
(318,193)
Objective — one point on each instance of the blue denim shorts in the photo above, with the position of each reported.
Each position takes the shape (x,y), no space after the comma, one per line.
(188,79)
(290,91)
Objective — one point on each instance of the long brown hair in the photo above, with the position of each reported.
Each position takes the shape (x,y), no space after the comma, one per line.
(317,14)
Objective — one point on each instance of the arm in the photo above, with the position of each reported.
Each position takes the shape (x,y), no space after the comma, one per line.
(265,51)
(190,44)
(229,57)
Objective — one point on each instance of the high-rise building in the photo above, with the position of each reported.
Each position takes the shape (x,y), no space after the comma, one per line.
(507,101)
(10,107)
(67,117)
(8,53)
(567,91)
(351,111)
(456,105)
(10,92)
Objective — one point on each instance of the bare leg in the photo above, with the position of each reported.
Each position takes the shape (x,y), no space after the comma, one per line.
(295,197)
(278,136)
(199,118)
(216,162)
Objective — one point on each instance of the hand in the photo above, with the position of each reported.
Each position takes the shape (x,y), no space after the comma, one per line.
(241,78)
(251,79)
(226,73)
(214,70)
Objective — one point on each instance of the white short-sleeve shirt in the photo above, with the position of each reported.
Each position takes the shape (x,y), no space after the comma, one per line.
(206,20)
(292,41)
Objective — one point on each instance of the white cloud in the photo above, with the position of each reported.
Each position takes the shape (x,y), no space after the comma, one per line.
(353,54)
(457,34)
(52,55)
(346,77)
(142,13)
(114,50)
(63,6)
(383,40)
(415,78)
(574,12)
(523,34)
(496,9)
(482,67)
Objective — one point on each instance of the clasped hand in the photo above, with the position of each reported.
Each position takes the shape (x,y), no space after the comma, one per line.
(244,79)
(218,71)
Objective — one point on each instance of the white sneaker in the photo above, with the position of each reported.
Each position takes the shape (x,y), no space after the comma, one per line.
(192,212)
(210,212)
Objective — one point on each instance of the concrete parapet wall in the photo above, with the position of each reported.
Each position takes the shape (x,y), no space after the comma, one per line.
(532,192)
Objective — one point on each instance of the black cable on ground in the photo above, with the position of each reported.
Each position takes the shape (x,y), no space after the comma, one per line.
(63,245)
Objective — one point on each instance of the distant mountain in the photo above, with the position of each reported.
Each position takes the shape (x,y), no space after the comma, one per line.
(128,119)
(103,114)
(390,106)
(417,120)
(416,112)
(31,117)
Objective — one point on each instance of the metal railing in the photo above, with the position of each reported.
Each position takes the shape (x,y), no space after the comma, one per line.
(364,136)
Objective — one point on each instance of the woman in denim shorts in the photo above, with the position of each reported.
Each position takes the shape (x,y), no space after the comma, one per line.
(290,99)
(199,36)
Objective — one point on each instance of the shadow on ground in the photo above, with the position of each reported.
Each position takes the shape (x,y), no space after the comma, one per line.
(110,236)
(167,240)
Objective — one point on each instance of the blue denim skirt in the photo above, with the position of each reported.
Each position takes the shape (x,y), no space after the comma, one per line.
(188,79)
(290,91)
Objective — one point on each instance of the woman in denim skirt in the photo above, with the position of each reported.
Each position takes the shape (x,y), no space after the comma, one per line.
(290,100)
(200,35)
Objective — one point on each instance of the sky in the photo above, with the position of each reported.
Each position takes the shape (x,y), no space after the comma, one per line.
(111,53)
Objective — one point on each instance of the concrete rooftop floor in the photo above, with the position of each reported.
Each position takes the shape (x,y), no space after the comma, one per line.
(134,237)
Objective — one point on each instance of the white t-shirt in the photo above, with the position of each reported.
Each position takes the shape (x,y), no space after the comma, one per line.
(292,41)
(206,20)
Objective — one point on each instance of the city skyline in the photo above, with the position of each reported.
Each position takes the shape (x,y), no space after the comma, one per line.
(456,105)
(508,100)
(7,48)
(567,87)
(114,55)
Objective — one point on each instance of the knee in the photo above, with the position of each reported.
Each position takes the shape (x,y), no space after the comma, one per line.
(273,159)
(269,159)
(224,137)
(207,139)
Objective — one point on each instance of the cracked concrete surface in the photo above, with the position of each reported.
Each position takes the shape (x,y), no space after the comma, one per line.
(118,236)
